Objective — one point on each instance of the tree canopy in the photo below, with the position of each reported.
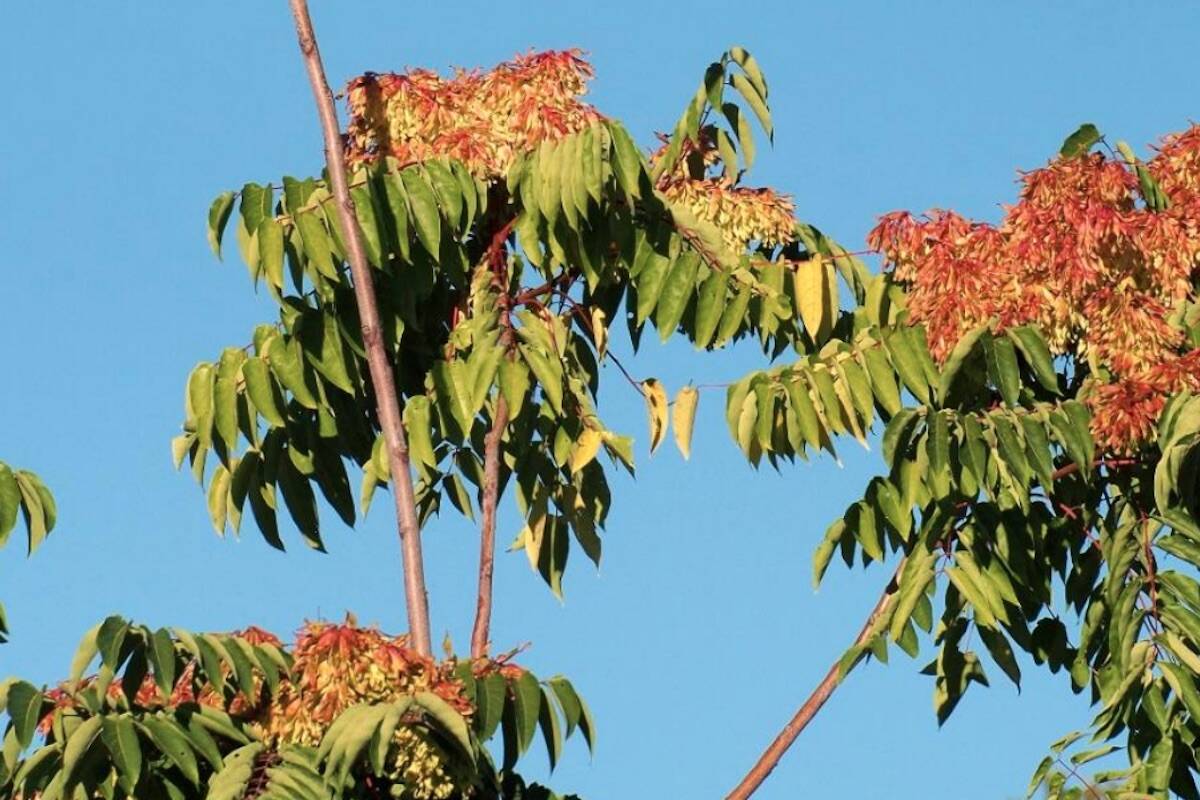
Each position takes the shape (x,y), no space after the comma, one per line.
(447,291)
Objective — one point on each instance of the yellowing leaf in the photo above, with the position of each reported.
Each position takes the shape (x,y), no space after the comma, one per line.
(656,410)
(600,331)
(684,418)
(586,448)
(811,285)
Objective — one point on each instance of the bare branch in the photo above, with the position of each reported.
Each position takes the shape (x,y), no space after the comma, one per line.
(382,379)
(833,678)
(487,528)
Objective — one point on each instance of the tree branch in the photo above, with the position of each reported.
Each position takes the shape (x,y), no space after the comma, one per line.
(487,529)
(382,379)
(771,756)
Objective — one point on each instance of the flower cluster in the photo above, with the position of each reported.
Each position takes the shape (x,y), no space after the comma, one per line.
(1106,278)
(334,667)
(482,119)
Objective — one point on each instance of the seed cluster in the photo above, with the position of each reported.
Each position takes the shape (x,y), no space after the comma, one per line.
(1108,279)
(335,666)
(482,119)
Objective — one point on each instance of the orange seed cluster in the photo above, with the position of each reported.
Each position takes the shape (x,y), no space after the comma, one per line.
(482,119)
(1106,279)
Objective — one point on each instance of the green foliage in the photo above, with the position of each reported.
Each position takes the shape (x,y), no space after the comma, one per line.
(23,494)
(201,734)
(486,291)
(1001,508)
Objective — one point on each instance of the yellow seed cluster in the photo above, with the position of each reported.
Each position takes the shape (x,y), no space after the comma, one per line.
(743,215)
(339,666)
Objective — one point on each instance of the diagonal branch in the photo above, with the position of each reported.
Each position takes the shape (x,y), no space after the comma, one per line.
(833,678)
(382,379)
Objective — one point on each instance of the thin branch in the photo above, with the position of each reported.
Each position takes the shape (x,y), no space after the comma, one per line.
(1109,463)
(386,400)
(487,529)
(833,678)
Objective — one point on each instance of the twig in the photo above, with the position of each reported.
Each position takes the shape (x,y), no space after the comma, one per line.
(386,401)
(771,756)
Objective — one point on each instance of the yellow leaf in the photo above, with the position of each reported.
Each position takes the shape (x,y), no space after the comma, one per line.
(656,410)
(684,418)
(600,332)
(814,287)
(586,447)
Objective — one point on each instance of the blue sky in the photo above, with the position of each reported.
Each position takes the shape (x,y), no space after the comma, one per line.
(701,633)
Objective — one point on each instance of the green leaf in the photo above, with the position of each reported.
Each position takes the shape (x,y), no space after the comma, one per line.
(315,238)
(628,167)
(548,372)
(1037,354)
(883,379)
(587,725)
(757,103)
(908,363)
(570,702)
(225,395)
(527,698)
(301,503)
(449,720)
(262,391)
(551,731)
(218,217)
(677,289)
(364,213)
(897,432)
(1071,426)
(514,384)
(162,659)
(709,304)
(10,502)
(169,738)
(1081,141)
(490,693)
(120,738)
(110,640)
(1003,369)
(425,216)
(1002,652)
(270,250)
(958,355)
(418,425)
(825,550)
(287,363)
(25,710)
(917,573)
(77,745)
(200,402)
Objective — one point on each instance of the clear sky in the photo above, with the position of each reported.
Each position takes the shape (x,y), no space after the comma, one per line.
(701,633)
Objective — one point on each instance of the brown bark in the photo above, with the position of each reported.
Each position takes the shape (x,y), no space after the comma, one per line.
(382,379)
(487,529)
(771,756)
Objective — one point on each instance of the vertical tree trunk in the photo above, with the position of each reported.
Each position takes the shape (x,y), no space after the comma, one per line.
(487,529)
(382,379)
